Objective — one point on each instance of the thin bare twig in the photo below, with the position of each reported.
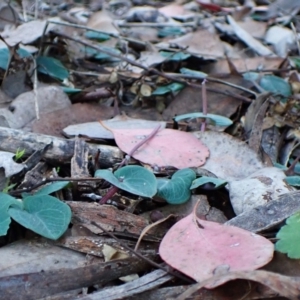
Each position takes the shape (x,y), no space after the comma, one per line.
(154,264)
(151,70)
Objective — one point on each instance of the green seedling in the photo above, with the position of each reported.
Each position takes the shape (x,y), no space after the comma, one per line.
(19,154)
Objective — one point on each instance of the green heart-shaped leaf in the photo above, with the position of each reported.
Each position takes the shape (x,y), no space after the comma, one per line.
(6,201)
(43,214)
(51,188)
(177,189)
(133,179)
(52,67)
(204,179)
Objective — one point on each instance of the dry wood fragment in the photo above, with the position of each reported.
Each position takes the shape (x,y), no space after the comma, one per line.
(61,151)
(41,284)
(145,283)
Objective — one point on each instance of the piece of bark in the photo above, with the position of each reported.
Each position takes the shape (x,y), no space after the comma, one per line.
(41,284)
(107,217)
(145,283)
(61,151)
(269,215)
(79,166)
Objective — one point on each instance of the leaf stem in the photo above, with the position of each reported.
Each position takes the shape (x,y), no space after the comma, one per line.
(204,104)
(115,189)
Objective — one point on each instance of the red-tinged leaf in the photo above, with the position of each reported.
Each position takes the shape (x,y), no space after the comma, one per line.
(202,252)
(213,7)
(210,6)
(167,148)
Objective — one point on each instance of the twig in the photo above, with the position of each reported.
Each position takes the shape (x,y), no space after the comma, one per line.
(204,104)
(217,80)
(139,144)
(149,24)
(154,264)
(114,35)
(150,70)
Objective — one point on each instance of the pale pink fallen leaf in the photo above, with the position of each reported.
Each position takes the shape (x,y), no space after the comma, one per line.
(167,148)
(203,252)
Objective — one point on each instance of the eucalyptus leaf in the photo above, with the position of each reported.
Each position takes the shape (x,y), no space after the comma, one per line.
(51,188)
(133,179)
(204,179)
(51,67)
(215,119)
(173,87)
(43,214)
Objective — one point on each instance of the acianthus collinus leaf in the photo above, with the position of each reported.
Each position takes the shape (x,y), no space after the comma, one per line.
(51,188)
(6,201)
(133,179)
(204,179)
(52,67)
(43,214)
(172,87)
(177,189)
(215,119)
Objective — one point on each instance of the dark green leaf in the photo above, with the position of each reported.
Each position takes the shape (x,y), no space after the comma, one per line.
(176,56)
(204,179)
(6,201)
(99,36)
(276,85)
(69,90)
(293,180)
(296,61)
(197,74)
(215,119)
(279,166)
(170,31)
(253,76)
(43,214)
(97,54)
(177,189)
(133,179)
(4,56)
(51,188)
(52,67)
(173,87)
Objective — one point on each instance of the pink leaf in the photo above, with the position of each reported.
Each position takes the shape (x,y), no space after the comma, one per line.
(167,148)
(202,252)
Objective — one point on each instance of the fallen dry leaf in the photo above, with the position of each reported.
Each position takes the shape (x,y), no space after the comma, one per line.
(167,148)
(200,248)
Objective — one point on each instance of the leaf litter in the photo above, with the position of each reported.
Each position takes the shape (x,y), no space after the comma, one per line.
(65,64)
